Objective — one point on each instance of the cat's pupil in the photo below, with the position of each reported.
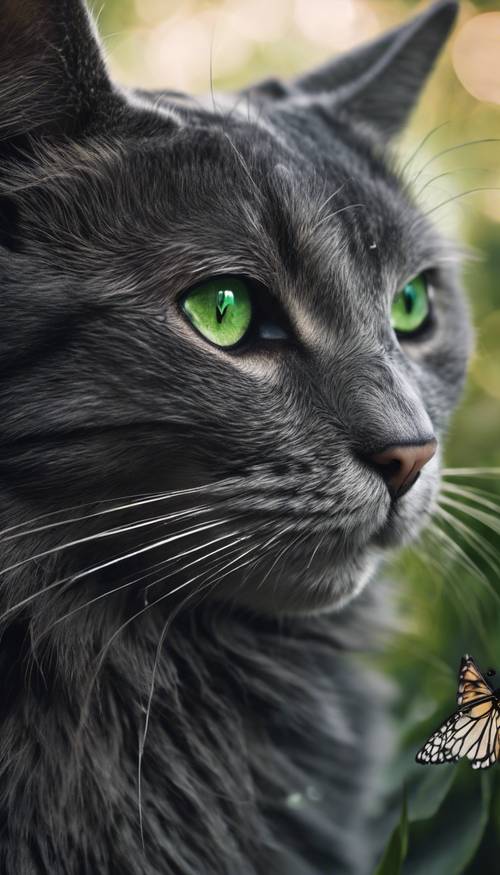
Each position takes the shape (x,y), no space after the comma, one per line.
(225,299)
(409,296)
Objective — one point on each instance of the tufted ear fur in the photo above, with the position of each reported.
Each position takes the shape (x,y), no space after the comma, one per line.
(52,75)
(378,83)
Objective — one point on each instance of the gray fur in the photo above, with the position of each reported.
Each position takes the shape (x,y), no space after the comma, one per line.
(113,203)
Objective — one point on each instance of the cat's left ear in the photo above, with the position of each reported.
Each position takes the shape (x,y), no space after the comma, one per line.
(52,74)
(379,83)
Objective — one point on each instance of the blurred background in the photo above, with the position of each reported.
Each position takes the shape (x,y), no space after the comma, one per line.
(448,588)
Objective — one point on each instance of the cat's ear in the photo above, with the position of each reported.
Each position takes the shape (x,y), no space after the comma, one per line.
(379,83)
(52,74)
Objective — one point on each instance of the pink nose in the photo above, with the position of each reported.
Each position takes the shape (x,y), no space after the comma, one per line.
(400,466)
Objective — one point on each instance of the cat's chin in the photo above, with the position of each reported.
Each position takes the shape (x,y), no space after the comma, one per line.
(294,592)
(312,578)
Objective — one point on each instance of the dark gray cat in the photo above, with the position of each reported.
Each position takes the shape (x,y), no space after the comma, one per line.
(229,341)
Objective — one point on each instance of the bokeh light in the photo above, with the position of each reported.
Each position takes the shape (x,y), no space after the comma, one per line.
(339,27)
(476,56)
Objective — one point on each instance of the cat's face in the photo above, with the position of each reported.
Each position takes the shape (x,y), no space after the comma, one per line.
(109,389)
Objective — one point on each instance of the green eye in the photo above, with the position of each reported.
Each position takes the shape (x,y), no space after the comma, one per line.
(411,306)
(220,309)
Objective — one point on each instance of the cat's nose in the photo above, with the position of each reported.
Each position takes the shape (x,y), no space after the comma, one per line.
(400,466)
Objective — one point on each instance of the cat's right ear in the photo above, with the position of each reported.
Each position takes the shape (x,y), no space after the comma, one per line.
(53,78)
(378,83)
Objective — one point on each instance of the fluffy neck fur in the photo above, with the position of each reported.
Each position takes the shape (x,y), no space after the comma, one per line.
(255,759)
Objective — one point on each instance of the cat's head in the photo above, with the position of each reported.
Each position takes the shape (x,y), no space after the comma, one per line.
(233,296)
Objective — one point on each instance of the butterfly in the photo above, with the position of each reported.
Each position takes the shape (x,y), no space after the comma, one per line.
(473,731)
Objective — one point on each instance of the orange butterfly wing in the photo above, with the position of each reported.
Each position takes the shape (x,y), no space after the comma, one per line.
(474,734)
(471,683)
(473,731)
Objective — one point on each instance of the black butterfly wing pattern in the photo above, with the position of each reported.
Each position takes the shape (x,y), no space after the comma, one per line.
(473,731)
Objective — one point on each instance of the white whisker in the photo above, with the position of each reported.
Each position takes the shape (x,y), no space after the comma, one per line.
(169,594)
(487,519)
(280,554)
(471,472)
(333,194)
(480,545)
(108,533)
(122,558)
(452,149)
(472,495)
(421,145)
(138,502)
(165,562)
(313,554)
(331,216)
(459,555)
(461,194)
(161,641)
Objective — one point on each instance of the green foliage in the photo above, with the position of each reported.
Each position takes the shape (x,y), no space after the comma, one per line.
(440,830)
(453,826)
(397,847)
(448,842)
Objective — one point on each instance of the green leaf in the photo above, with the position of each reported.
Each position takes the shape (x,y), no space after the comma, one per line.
(452,840)
(397,847)
(431,792)
(475,834)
